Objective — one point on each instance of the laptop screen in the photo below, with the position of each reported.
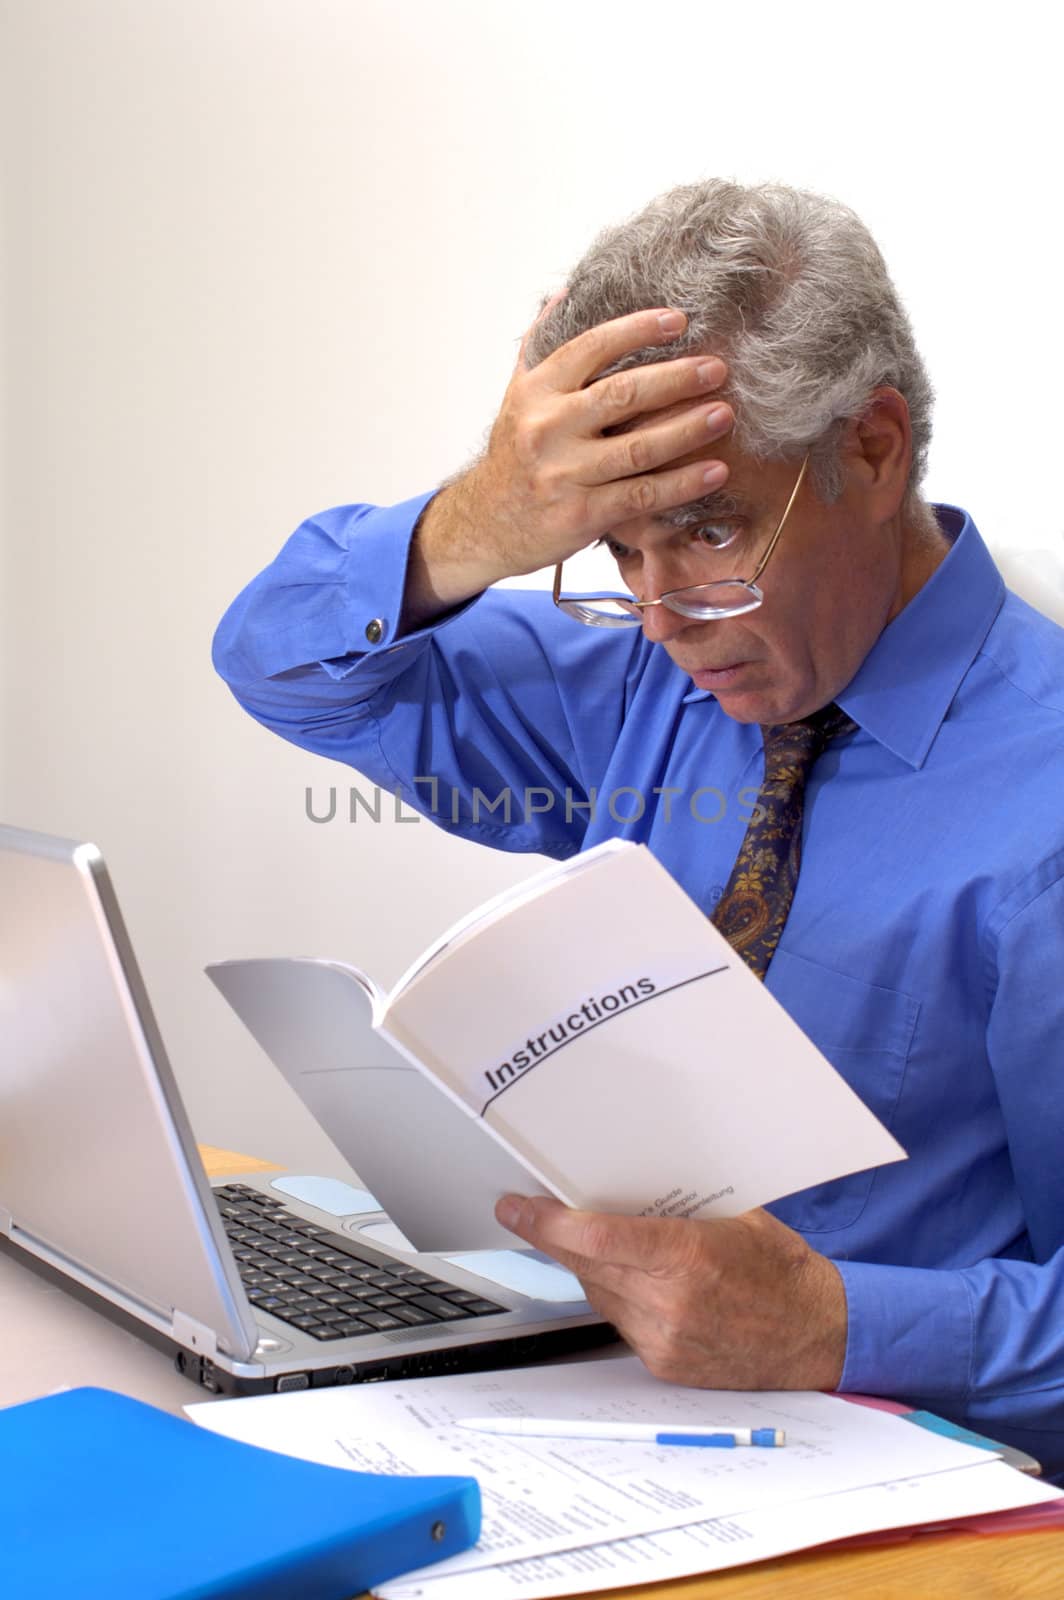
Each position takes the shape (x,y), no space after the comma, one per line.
(98,1167)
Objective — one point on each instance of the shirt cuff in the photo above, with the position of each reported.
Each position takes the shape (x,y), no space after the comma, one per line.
(375,584)
(911,1332)
(376,572)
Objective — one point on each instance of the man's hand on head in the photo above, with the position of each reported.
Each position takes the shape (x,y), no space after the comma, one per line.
(552,480)
(742,1303)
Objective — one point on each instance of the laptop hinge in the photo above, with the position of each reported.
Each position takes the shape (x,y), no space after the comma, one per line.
(194,1335)
(6,1223)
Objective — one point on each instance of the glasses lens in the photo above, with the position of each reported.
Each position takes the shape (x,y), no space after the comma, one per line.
(601,611)
(707,601)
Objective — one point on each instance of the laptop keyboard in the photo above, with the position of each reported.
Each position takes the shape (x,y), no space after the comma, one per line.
(325,1285)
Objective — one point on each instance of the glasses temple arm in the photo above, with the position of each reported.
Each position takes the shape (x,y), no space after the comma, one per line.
(763,563)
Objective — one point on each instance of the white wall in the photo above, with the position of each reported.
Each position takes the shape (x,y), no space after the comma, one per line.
(272,255)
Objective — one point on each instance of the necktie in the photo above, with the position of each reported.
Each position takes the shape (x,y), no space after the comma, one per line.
(755,905)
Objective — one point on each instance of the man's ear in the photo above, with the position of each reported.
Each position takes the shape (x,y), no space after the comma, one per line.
(877,453)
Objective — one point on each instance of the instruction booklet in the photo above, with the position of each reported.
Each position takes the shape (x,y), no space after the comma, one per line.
(594,1037)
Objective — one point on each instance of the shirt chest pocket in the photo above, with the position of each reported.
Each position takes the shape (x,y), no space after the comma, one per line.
(866,1032)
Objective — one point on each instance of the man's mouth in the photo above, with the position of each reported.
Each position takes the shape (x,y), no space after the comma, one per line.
(716,677)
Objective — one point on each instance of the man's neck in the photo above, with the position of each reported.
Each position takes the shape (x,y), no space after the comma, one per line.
(924,548)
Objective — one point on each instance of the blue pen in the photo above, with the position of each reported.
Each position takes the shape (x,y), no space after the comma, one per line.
(703,1437)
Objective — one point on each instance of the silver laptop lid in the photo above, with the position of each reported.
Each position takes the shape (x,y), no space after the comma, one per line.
(99,1173)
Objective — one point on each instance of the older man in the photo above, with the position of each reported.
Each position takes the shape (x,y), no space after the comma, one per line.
(807,664)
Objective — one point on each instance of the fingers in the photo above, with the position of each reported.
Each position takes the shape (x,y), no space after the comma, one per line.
(688,434)
(574,364)
(627,498)
(580,1239)
(637,391)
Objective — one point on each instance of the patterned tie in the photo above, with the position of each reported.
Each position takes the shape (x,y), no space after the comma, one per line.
(755,905)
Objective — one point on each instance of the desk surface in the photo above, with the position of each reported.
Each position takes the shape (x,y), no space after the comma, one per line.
(50,1339)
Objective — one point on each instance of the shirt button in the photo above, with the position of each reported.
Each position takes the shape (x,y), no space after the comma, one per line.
(716,891)
(375,630)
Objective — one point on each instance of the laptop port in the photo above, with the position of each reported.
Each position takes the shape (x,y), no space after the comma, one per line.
(292,1380)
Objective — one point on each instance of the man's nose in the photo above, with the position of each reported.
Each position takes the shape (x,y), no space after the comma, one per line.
(660,623)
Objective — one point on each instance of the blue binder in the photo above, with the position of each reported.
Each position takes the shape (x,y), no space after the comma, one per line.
(105,1498)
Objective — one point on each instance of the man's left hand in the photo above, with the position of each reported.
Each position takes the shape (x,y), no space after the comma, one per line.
(741,1303)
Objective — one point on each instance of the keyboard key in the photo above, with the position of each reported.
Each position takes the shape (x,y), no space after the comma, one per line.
(482,1308)
(353,1325)
(442,1310)
(413,1316)
(381,1320)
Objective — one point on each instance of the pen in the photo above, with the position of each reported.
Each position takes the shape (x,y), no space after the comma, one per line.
(704,1436)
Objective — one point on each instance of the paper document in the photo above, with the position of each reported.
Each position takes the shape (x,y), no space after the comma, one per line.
(723,1542)
(542,1496)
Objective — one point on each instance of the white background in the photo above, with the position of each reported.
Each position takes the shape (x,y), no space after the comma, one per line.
(266,256)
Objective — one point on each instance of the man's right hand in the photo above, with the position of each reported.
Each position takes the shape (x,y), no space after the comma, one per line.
(551,480)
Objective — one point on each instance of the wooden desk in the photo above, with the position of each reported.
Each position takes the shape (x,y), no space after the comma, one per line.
(952,1566)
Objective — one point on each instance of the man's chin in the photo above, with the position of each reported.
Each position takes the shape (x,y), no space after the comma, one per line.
(752,706)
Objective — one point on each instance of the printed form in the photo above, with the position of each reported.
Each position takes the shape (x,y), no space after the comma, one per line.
(723,1542)
(542,1496)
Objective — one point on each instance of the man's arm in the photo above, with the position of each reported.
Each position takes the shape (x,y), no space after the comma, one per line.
(354,643)
(987,1340)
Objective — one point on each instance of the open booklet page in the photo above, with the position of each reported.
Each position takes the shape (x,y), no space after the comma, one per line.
(484,916)
(608,1034)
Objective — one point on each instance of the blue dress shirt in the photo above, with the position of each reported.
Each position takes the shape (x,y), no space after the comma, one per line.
(924,951)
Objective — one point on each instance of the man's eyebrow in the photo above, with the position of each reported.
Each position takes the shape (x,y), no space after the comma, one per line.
(722,503)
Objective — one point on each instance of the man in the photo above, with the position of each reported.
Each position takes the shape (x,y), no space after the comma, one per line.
(728,395)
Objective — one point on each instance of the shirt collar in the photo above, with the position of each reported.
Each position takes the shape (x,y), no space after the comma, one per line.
(906,684)
(903,689)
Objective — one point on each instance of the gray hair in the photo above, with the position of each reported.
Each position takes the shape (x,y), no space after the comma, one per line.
(789,287)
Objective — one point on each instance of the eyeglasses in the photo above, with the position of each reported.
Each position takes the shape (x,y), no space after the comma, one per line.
(704,602)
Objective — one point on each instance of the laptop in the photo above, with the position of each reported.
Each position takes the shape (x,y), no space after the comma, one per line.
(251,1285)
